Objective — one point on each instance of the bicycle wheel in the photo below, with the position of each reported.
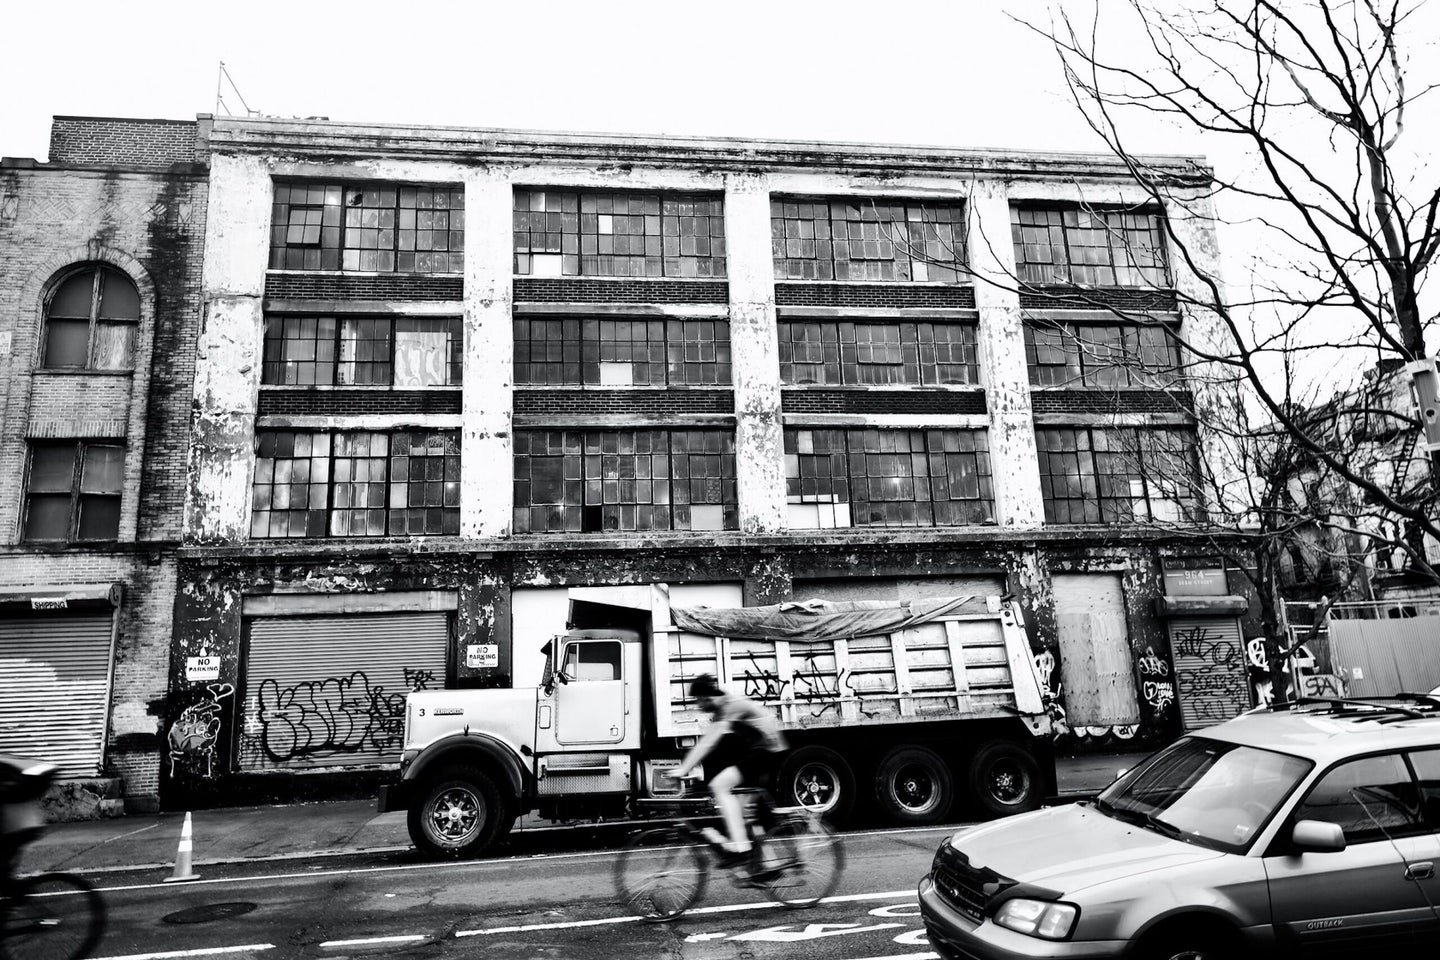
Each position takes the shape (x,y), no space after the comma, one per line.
(810,859)
(54,916)
(660,874)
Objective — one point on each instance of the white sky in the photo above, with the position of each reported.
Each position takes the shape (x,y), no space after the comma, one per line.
(957,73)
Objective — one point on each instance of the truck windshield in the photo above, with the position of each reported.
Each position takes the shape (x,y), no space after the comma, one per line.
(1204,791)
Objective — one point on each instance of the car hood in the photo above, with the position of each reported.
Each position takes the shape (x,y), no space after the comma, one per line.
(1072,847)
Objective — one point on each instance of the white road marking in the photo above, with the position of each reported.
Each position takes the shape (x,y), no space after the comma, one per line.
(914,938)
(727,908)
(902,956)
(911,909)
(402,938)
(812,931)
(200,952)
(702,937)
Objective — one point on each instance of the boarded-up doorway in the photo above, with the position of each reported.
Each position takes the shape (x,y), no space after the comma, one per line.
(1096,667)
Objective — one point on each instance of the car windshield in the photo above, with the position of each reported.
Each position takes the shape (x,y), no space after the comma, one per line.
(1204,791)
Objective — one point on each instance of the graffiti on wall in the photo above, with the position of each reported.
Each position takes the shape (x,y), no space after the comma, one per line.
(1301,668)
(1052,694)
(1157,686)
(194,733)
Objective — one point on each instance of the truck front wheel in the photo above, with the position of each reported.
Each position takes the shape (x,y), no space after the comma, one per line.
(913,785)
(818,778)
(1004,778)
(460,813)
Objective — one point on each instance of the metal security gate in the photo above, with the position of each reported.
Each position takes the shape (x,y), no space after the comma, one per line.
(1211,680)
(330,691)
(55,688)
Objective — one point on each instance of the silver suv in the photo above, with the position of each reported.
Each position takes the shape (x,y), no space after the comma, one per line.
(1312,831)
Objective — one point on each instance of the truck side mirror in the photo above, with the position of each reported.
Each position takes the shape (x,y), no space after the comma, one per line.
(547,679)
(1317,836)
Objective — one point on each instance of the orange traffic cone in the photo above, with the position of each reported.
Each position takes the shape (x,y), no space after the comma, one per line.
(182,856)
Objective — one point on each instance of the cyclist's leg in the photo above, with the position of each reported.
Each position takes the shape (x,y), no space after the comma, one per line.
(731,812)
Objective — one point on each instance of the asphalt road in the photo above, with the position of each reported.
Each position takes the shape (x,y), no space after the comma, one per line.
(556,905)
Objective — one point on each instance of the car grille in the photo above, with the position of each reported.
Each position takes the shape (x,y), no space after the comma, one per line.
(965,886)
(963,889)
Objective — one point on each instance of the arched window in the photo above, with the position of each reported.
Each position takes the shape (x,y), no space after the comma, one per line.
(90,321)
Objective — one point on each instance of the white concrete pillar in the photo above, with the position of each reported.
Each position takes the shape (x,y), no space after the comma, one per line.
(227,363)
(1013,457)
(754,353)
(487,493)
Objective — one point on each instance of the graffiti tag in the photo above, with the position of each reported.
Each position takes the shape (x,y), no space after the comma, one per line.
(193,735)
(335,715)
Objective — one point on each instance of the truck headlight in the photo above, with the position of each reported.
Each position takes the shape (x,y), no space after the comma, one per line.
(1038,918)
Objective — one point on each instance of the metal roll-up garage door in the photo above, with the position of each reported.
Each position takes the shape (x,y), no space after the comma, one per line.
(330,691)
(1211,682)
(54,684)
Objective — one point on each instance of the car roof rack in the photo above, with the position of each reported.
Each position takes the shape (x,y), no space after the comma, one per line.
(1370,706)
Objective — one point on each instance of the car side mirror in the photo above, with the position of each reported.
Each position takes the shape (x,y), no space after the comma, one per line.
(1317,836)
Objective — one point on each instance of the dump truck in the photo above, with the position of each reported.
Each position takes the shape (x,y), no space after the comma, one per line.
(905,708)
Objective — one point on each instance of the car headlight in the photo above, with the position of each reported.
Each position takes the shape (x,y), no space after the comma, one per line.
(1038,918)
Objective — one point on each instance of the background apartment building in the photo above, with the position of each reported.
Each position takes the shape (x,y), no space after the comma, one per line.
(445,374)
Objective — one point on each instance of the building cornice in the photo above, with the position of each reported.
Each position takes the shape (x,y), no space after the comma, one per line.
(330,141)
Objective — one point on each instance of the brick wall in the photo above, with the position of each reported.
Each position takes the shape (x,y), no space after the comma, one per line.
(334,286)
(537,405)
(1098,298)
(1111,401)
(130,143)
(149,225)
(892,295)
(883,401)
(575,290)
(352,403)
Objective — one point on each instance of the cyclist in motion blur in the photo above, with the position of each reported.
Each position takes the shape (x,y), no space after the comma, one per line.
(738,749)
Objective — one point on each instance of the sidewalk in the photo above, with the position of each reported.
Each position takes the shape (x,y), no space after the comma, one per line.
(227,835)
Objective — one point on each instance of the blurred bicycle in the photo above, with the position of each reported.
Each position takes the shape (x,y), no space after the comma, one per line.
(795,858)
(46,916)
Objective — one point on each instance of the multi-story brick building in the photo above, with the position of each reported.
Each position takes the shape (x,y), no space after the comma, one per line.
(99,301)
(444,374)
(447,373)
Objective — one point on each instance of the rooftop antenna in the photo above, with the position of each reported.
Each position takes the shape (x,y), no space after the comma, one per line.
(221,80)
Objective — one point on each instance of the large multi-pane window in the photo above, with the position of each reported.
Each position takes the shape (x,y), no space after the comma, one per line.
(569,233)
(847,352)
(888,478)
(368,227)
(1101,355)
(90,321)
(74,490)
(356,483)
(621,352)
(855,238)
(1118,474)
(1088,245)
(584,481)
(401,352)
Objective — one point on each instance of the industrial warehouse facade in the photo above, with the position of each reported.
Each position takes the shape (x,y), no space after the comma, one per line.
(441,375)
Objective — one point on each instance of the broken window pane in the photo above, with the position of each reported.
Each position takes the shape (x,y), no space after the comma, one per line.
(373,227)
(1088,246)
(867,239)
(91,321)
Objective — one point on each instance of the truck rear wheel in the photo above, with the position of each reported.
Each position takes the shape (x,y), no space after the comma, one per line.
(914,786)
(817,778)
(461,813)
(1004,778)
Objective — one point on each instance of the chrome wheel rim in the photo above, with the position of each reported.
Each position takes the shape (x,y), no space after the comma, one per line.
(455,815)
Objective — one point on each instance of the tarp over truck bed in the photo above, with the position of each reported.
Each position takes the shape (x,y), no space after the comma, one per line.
(819,664)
